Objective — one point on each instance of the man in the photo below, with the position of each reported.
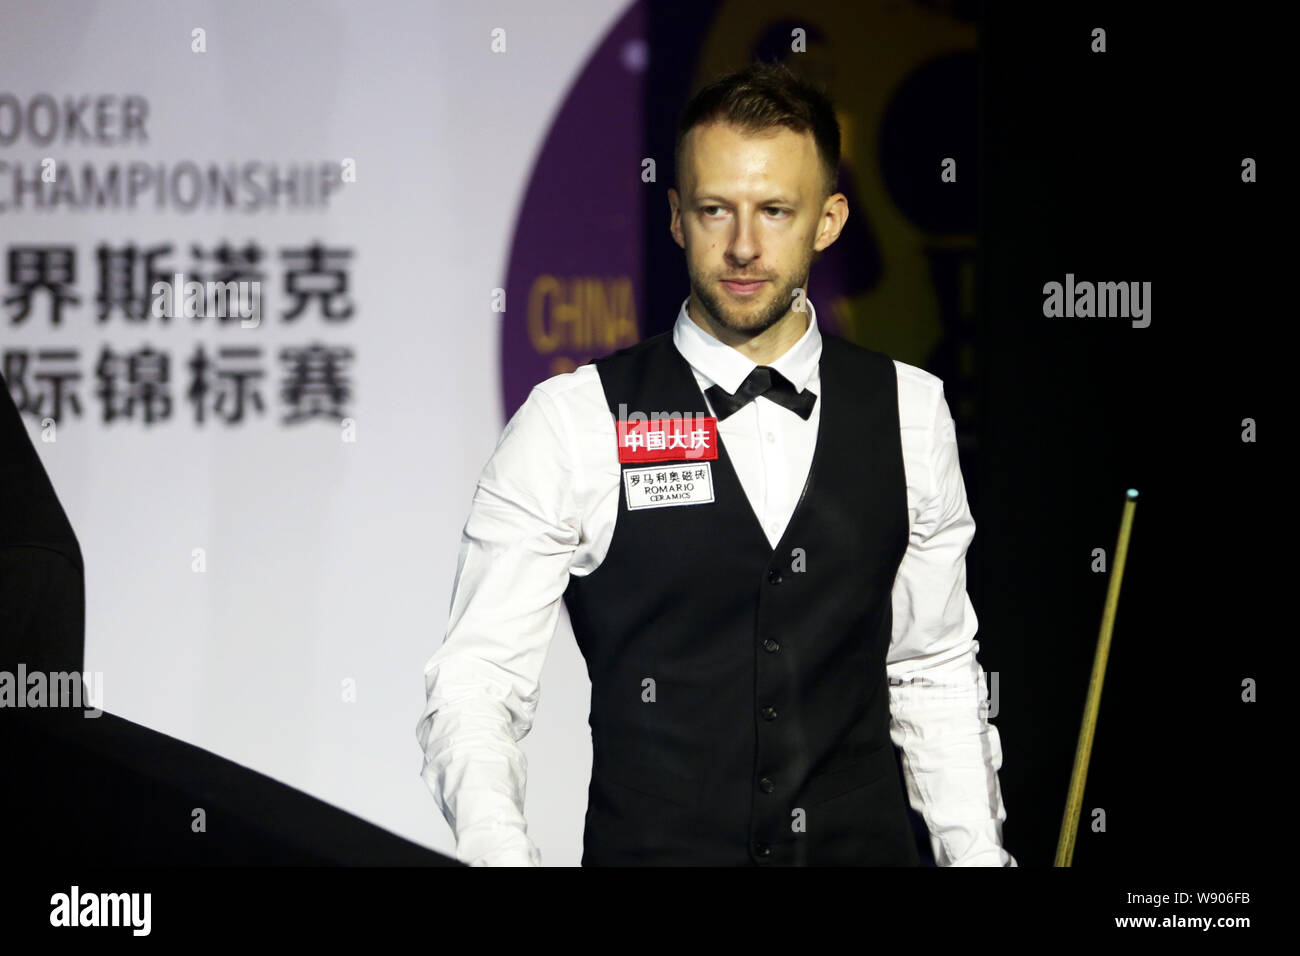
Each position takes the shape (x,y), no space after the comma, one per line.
(759,533)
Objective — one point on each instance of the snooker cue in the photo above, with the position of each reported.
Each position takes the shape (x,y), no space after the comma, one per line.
(1074,798)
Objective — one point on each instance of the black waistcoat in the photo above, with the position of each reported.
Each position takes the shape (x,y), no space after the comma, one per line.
(739,700)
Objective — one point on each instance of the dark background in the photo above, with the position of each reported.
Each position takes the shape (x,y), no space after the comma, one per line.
(1126,166)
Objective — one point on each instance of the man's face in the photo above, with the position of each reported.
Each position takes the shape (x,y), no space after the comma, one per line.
(751,208)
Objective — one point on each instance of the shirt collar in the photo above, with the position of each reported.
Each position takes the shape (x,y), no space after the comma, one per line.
(724,365)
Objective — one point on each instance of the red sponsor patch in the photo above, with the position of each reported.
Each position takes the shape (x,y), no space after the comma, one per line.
(689,438)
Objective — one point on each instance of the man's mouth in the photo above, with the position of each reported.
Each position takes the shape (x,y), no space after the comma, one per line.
(743,287)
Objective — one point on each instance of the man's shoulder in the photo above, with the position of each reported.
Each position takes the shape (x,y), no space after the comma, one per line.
(577,396)
(562,387)
(917,382)
(919,391)
(569,411)
(916,386)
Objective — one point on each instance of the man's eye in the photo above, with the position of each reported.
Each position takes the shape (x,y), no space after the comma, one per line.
(777,209)
(706,209)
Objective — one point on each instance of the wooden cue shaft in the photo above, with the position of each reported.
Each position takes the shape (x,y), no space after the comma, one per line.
(1074,798)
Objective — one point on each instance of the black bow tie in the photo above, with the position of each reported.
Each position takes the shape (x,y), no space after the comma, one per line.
(763,380)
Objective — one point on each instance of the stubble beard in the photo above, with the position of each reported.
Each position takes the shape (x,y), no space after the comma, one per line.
(749,319)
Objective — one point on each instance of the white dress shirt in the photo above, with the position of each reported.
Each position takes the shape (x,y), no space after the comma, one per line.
(545,507)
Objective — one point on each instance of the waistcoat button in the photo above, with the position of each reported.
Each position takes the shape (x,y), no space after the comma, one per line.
(769,713)
(766,785)
(771,646)
(774,576)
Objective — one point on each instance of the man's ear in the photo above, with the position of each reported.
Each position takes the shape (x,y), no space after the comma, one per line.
(835,213)
(675,217)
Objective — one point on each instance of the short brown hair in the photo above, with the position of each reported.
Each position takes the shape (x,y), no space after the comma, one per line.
(762,96)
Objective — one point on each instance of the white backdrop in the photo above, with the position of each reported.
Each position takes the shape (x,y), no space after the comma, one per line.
(326,561)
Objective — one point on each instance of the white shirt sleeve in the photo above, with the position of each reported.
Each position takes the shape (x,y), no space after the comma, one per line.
(938,708)
(483,683)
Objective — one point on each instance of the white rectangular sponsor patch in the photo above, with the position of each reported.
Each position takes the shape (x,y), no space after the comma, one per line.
(672,483)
